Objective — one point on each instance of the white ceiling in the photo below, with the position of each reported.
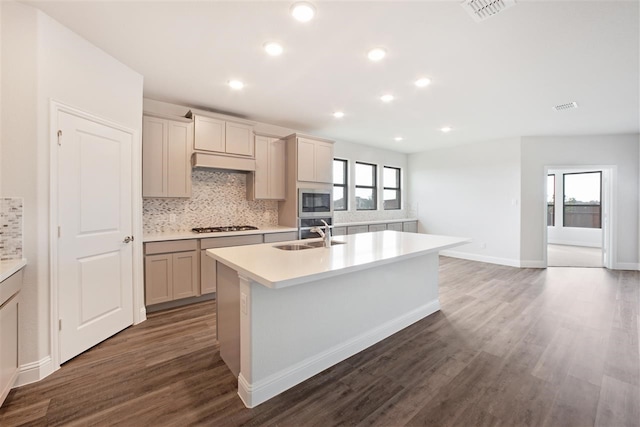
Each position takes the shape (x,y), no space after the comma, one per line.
(494,79)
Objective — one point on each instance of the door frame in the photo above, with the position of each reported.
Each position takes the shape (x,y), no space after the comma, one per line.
(609,198)
(139,310)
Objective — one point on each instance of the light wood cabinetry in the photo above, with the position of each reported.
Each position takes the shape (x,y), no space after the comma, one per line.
(208,266)
(171,271)
(219,136)
(357,229)
(395,226)
(268,180)
(339,231)
(9,310)
(281,237)
(377,227)
(315,160)
(166,155)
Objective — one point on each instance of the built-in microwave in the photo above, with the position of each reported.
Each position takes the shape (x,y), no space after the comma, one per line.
(314,203)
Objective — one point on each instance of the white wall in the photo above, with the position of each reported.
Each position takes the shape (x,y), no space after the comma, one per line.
(619,151)
(363,153)
(471,191)
(43,61)
(576,236)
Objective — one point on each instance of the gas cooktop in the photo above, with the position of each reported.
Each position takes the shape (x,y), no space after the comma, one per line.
(223,229)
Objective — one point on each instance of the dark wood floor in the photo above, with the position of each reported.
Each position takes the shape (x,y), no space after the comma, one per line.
(511,347)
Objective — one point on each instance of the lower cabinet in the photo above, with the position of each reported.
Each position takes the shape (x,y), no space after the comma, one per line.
(357,229)
(171,271)
(395,226)
(339,231)
(9,303)
(377,227)
(410,227)
(280,237)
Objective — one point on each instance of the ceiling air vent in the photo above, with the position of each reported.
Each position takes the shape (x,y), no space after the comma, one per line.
(484,9)
(568,106)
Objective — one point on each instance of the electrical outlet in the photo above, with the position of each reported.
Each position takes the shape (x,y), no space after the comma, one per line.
(172,218)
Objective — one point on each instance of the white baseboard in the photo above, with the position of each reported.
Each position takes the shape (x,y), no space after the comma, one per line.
(626,266)
(569,243)
(253,394)
(34,371)
(482,258)
(532,264)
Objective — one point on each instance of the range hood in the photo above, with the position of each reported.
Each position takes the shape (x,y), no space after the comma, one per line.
(214,161)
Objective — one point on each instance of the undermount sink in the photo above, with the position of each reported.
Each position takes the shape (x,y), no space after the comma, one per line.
(293,247)
(321,244)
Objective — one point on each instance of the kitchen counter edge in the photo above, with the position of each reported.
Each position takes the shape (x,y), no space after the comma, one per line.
(378,221)
(10,267)
(184,235)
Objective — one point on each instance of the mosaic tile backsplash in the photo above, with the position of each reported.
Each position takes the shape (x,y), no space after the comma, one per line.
(217,199)
(10,228)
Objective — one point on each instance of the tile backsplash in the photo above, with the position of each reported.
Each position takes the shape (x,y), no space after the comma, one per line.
(10,228)
(217,199)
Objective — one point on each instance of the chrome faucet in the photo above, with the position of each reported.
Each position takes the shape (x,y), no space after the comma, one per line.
(326,234)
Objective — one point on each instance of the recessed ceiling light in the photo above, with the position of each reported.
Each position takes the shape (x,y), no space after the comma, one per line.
(303,11)
(445,129)
(376,54)
(236,84)
(338,114)
(273,48)
(398,138)
(387,98)
(423,82)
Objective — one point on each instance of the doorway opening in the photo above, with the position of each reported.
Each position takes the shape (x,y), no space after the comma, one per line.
(578,202)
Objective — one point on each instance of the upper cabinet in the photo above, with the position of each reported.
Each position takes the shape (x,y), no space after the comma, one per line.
(315,160)
(166,154)
(219,136)
(268,180)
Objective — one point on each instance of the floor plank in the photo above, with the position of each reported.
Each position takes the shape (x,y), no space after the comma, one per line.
(510,347)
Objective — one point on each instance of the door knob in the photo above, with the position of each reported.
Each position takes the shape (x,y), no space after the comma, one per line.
(128,239)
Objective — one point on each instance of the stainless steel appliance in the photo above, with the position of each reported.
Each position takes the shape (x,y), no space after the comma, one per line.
(306,224)
(314,203)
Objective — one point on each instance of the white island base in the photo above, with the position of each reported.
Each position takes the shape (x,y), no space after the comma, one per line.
(277,331)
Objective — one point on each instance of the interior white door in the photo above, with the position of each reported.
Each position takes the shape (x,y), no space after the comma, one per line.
(95,264)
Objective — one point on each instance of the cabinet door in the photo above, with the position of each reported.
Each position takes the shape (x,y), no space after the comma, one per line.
(396,226)
(277,169)
(410,227)
(158,276)
(306,160)
(207,274)
(377,227)
(324,162)
(261,175)
(8,345)
(239,139)
(339,231)
(185,275)
(179,159)
(154,157)
(357,229)
(209,134)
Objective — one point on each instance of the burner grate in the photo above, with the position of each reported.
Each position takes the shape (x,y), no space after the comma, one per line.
(223,229)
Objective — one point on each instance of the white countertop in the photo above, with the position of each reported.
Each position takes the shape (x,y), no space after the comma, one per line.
(9,267)
(380,221)
(276,268)
(181,235)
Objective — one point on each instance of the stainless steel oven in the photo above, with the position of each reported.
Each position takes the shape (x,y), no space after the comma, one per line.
(314,203)
(306,224)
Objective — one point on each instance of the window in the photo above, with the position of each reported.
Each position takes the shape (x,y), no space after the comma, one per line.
(391,189)
(551,198)
(366,187)
(582,195)
(340,185)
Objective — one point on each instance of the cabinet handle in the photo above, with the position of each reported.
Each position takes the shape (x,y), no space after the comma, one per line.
(128,239)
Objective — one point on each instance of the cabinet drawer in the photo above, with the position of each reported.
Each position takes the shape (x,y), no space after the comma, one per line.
(280,237)
(10,286)
(221,242)
(357,229)
(170,246)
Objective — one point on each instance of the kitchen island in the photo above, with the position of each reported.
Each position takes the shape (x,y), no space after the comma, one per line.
(284,316)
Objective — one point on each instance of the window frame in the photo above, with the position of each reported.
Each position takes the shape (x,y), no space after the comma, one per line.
(564,199)
(344,186)
(553,214)
(374,188)
(398,189)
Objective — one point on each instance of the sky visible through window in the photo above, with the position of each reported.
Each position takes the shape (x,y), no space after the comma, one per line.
(583,187)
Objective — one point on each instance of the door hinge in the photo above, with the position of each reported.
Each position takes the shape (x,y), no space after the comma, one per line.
(59,324)
(59,137)
(59,231)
